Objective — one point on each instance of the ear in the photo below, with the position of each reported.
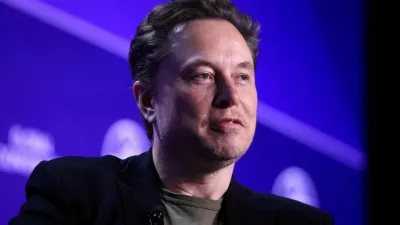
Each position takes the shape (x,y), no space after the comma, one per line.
(144,101)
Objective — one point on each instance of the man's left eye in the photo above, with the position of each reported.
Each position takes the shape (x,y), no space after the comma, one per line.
(243,77)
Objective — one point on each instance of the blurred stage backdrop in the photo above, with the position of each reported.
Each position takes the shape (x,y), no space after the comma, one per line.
(65,90)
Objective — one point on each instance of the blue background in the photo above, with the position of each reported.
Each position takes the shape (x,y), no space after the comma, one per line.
(310,68)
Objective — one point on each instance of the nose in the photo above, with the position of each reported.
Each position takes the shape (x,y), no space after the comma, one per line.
(226,95)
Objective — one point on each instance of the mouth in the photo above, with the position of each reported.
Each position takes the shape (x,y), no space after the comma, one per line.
(226,124)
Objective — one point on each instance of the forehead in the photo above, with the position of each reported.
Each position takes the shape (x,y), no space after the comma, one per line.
(209,39)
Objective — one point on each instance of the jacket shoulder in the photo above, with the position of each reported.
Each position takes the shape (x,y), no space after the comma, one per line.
(83,166)
(70,190)
(289,211)
(76,175)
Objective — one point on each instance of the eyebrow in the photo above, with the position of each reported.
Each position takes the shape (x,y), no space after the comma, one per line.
(201,62)
(246,65)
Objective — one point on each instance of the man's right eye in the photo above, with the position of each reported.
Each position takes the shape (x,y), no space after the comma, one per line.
(202,76)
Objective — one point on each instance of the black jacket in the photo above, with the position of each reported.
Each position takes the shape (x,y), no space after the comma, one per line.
(110,191)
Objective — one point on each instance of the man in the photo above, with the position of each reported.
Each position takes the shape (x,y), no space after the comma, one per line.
(193,63)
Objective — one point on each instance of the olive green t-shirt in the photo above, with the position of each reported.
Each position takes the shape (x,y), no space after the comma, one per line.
(184,210)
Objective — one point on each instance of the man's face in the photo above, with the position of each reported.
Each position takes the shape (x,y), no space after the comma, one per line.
(205,98)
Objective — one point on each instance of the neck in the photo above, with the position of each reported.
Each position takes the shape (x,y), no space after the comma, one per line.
(191,176)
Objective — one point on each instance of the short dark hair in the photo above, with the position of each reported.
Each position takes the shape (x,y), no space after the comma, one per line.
(151,42)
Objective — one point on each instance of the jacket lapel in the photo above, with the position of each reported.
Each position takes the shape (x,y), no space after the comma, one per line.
(139,188)
(240,206)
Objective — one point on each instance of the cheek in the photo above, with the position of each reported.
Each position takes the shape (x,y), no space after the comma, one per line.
(164,106)
(249,101)
(194,101)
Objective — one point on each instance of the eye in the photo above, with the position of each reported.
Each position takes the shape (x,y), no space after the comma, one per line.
(202,76)
(244,77)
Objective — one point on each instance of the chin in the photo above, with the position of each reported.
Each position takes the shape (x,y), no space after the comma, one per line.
(228,147)
(228,153)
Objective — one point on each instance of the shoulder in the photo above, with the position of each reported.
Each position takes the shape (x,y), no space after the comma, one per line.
(77,177)
(289,211)
(71,188)
(79,163)
(74,167)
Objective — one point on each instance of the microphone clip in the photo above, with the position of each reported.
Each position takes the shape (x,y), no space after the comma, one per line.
(156,216)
